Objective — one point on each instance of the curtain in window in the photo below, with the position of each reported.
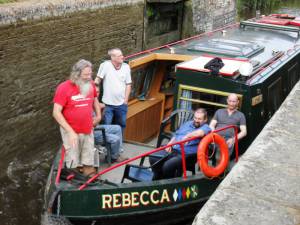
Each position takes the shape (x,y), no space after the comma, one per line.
(186,104)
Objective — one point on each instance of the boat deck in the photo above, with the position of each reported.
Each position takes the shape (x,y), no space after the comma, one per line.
(130,150)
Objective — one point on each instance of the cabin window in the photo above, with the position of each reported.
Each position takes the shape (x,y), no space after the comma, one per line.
(293,76)
(275,96)
(191,98)
(141,80)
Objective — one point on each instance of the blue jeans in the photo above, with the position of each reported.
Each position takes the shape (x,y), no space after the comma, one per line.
(116,115)
(113,137)
(171,166)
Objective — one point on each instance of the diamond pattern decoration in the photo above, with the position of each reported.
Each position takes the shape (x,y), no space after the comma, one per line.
(188,192)
(194,190)
(183,194)
(179,195)
(175,195)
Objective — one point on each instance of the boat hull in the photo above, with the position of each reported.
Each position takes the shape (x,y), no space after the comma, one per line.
(157,202)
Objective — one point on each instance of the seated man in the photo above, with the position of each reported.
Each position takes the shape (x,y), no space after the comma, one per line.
(113,137)
(172,166)
(230,116)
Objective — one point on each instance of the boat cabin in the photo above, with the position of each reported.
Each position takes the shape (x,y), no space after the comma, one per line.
(256,60)
(261,65)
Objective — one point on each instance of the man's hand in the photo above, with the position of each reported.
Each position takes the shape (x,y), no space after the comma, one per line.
(73,139)
(96,120)
(169,149)
(230,142)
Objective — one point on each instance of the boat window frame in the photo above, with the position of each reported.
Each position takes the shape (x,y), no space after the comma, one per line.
(182,87)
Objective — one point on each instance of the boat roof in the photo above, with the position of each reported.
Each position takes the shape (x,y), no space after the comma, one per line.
(266,46)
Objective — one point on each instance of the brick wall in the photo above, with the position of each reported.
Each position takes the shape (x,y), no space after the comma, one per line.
(37,50)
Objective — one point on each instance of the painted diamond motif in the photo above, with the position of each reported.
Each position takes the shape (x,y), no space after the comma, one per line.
(175,195)
(179,195)
(188,192)
(183,194)
(194,190)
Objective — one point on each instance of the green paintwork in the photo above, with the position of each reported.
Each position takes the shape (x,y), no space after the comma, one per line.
(273,84)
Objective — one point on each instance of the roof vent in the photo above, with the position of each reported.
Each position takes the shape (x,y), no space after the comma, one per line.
(231,48)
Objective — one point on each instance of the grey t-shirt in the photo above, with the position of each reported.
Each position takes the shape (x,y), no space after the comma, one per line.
(224,119)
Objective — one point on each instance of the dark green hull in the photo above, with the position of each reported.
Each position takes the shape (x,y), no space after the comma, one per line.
(276,59)
(157,202)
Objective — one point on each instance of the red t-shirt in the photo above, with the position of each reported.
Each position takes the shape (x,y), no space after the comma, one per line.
(77,109)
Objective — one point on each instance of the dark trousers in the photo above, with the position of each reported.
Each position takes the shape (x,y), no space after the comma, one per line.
(171,165)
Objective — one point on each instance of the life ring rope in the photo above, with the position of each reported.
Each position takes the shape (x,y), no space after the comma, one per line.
(202,153)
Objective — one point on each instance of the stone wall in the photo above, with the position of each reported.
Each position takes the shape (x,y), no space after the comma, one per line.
(38,45)
(39,42)
(207,15)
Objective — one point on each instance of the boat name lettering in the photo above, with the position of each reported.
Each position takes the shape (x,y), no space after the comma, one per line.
(134,199)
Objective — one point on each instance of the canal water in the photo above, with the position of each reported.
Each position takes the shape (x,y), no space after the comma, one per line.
(22,185)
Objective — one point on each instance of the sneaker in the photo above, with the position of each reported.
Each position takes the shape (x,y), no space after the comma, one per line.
(119,159)
(100,149)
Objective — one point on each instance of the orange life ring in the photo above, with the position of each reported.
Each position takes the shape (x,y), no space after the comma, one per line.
(202,153)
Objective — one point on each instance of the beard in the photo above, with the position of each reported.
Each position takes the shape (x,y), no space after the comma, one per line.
(84,86)
(197,125)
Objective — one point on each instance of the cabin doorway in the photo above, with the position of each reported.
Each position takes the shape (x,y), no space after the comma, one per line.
(152,97)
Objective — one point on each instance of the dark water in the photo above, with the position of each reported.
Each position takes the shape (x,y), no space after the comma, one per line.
(22,184)
(284,6)
(21,190)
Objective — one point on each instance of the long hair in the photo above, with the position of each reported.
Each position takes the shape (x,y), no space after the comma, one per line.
(77,69)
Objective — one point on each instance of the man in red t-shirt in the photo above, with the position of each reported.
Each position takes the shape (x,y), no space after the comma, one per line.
(74,103)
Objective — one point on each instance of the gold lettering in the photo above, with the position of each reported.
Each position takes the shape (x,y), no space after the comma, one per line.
(165,197)
(134,199)
(152,197)
(142,199)
(106,201)
(126,200)
(116,202)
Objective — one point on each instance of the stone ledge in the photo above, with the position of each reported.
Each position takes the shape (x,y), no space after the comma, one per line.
(31,10)
(264,187)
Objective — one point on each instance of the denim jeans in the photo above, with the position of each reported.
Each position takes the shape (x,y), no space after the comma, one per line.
(172,166)
(116,115)
(113,137)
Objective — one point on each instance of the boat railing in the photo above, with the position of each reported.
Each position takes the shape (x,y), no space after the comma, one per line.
(180,143)
(270,26)
(270,65)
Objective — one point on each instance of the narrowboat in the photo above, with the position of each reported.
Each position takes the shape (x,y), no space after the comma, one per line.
(260,60)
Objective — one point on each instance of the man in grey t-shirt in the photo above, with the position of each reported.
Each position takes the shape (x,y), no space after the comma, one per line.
(230,116)
(116,78)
